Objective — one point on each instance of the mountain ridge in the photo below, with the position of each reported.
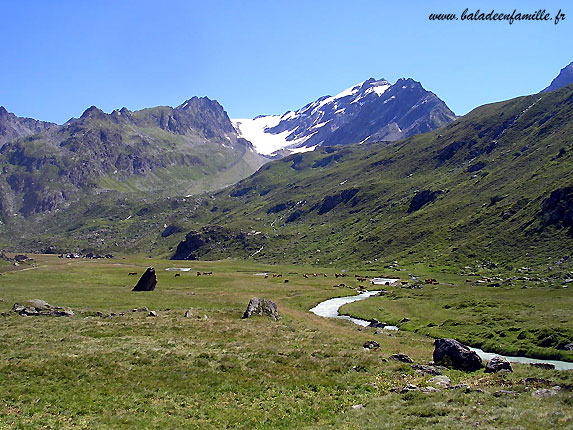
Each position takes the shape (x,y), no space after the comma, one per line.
(373,110)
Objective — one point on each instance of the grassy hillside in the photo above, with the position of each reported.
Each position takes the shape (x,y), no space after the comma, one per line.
(478,189)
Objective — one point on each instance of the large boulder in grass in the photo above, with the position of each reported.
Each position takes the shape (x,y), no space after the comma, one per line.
(147,282)
(259,306)
(498,364)
(451,353)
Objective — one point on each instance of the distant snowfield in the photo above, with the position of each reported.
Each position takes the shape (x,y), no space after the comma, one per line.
(266,143)
(256,130)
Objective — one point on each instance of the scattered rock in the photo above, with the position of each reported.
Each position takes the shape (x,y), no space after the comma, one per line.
(544,392)
(401,357)
(568,347)
(259,306)
(36,307)
(427,370)
(452,353)
(371,344)
(358,406)
(147,282)
(546,366)
(428,390)
(498,364)
(440,381)
(505,393)
(188,313)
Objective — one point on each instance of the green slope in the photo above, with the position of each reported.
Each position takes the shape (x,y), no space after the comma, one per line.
(488,173)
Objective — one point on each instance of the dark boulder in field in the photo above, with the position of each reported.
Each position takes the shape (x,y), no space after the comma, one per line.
(263,307)
(451,353)
(498,364)
(147,282)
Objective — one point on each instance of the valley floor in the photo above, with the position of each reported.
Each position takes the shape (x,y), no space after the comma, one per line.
(110,367)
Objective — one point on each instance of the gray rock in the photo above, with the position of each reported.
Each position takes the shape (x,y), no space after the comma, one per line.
(451,353)
(265,307)
(147,282)
(188,313)
(376,324)
(544,392)
(440,381)
(38,307)
(498,364)
(568,347)
(401,357)
(427,370)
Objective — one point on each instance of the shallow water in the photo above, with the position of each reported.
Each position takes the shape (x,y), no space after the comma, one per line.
(329,309)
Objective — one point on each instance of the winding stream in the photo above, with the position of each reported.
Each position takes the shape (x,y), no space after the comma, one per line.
(329,309)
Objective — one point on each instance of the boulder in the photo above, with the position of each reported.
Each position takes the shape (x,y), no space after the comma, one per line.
(371,344)
(376,324)
(258,306)
(498,364)
(147,282)
(401,357)
(452,353)
(427,370)
(440,381)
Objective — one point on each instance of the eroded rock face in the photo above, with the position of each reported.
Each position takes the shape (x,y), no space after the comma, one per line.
(147,282)
(451,353)
(264,307)
(498,364)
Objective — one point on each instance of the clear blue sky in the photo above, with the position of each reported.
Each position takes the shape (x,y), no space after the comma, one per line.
(265,57)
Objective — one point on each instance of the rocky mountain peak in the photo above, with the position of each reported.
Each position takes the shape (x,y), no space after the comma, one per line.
(93,112)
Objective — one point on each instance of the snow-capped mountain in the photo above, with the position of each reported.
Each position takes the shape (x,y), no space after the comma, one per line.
(373,110)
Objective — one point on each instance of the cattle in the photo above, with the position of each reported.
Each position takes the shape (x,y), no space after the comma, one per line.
(177,275)
(266,276)
(207,273)
(305,276)
(132,274)
(286,280)
(198,273)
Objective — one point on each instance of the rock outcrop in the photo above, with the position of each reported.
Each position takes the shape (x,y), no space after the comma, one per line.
(147,282)
(263,307)
(451,353)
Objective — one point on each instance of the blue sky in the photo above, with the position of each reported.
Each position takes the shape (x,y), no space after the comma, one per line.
(265,57)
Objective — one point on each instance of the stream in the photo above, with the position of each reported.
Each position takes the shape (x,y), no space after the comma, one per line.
(329,309)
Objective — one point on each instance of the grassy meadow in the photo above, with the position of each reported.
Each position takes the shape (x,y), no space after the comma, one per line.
(215,370)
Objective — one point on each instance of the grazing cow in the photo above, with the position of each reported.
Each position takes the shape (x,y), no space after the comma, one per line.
(132,274)
(207,273)
(274,275)
(286,280)
(279,275)
(325,275)
(266,276)
(305,276)
(198,273)
(314,275)
(177,275)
